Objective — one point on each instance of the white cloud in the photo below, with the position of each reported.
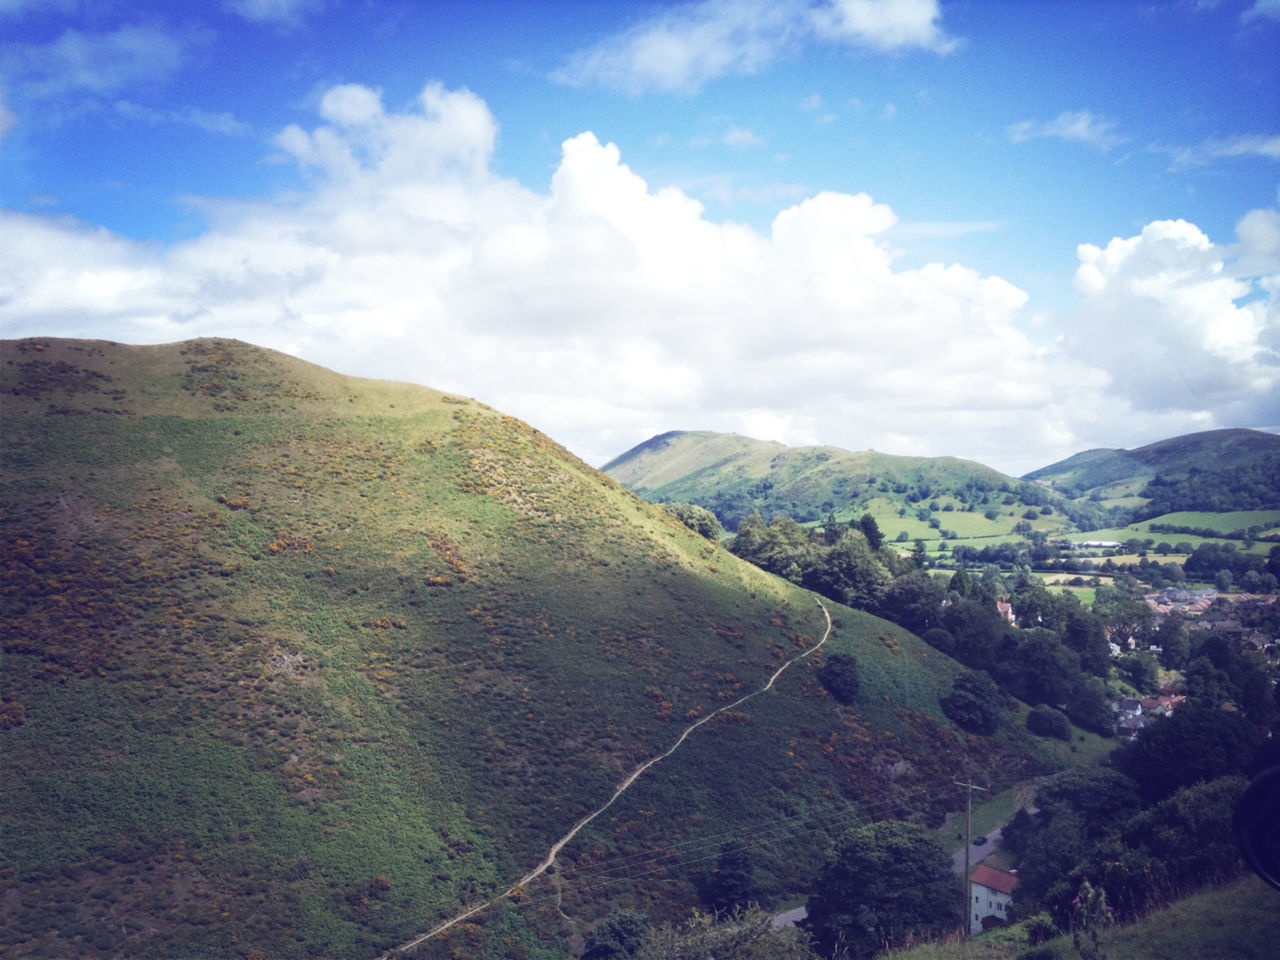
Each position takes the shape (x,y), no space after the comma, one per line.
(274,11)
(1163,315)
(1077,126)
(684,47)
(1263,9)
(739,137)
(100,63)
(604,310)
(1242,145)
(221,122)
(884,24)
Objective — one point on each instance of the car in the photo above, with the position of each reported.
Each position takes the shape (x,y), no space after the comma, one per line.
(979,841)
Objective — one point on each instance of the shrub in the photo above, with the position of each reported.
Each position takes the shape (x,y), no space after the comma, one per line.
(974,703)
(1044,721)
(840,676)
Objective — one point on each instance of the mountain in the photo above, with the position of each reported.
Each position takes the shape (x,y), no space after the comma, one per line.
(1215,470)
(921,496)
(297,665)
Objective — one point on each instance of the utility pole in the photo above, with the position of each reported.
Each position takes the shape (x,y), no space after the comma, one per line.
(968,827)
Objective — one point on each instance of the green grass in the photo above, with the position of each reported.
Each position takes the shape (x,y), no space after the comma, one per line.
(1240,921)
(306,664)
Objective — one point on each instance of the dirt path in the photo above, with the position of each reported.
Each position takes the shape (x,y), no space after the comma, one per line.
(559,845)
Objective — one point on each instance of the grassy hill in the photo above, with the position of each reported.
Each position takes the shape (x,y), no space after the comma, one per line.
(1216,470)
(923,496)
(299,665)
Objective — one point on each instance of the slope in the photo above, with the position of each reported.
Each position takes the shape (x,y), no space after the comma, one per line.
(300,665)
(1215,470)
(921,496)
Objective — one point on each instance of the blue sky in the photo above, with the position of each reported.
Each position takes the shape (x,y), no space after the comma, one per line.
(984,228)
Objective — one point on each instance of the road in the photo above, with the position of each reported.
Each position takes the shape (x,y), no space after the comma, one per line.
(977,854)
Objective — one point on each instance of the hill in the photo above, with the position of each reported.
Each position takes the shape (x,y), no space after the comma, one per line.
(921,496)
(1216,471)
(300,665)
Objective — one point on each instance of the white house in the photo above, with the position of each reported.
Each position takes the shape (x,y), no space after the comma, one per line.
(990,894)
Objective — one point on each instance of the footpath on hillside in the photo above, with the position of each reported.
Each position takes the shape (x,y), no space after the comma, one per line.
(559,845)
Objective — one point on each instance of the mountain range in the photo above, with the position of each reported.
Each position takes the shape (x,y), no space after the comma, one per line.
(929,497)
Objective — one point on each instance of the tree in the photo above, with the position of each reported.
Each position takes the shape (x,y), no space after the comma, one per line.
(914,600)
(1041,669)
(884,883)
(840,676)
(975,703)
(1171,638)
(850,573)
(618,936)
(732,885)
(698,519)
(978,629)
(1197,743)
(1044,721)
(1088,706)
(871,530)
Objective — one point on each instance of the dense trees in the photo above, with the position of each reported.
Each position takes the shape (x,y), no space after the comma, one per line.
(1196,743)
(883,883)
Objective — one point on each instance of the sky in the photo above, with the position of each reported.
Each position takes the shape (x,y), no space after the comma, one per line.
(1004,230)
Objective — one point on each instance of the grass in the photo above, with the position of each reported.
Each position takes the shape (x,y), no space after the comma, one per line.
(1236,922)
(305,664)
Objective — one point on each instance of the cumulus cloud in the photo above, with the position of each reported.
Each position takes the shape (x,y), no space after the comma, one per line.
(604,310)
(684,47)
(884,24)
(1175,329)
(1076,126)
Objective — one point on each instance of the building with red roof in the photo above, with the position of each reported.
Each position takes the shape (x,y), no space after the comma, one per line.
(990,896)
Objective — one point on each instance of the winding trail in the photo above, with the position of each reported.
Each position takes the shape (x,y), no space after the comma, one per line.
(560,844)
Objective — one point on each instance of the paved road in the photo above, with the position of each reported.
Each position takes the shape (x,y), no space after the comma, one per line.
(977,854)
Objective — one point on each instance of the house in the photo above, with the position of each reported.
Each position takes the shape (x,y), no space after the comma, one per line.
(1005,609)
(990,895)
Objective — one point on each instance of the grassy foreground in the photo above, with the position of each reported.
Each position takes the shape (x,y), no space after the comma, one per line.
(1240,921)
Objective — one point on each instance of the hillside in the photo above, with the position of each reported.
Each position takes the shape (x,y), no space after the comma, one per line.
(1217,470)
(921,496)
(300,665)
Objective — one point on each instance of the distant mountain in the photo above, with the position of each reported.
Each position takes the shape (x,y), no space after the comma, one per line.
(1216,470)
(923,496)
(296,664)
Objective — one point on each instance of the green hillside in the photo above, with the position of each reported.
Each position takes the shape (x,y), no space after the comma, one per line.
(1216,470)
(300,665)
(921,496)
